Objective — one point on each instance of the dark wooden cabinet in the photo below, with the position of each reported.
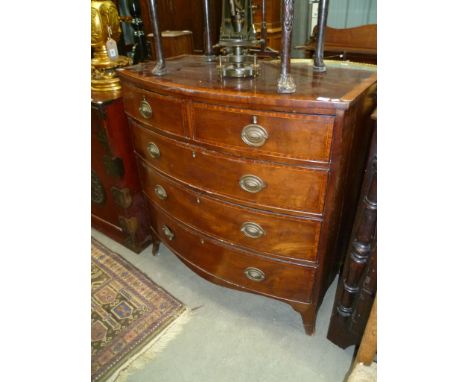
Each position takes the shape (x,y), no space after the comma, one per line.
(273,21)
(118,208)
(357,284)
(252,189)
(179,15)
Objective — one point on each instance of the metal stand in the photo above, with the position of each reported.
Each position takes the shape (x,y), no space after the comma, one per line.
(264,27)
(319,66)
(209,53)
(237,40)
(286,82)
(160,67)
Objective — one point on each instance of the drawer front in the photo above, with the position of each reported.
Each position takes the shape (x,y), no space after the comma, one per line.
(154,110)
(272,234)
(304,137)
(242,269)
(261,184)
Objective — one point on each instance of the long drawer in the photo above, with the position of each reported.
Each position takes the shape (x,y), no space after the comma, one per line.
(262,184)
(155,110)
(286,135)
(269,233)
(244,270)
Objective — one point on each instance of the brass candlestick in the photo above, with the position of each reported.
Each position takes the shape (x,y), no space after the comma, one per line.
(105,24)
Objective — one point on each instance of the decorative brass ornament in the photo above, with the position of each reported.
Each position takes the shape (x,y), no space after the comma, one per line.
(160,192)
(145,109)
(252,183)
(153,150)
(105,24)
(167,232)
(253,134)
(98,195)
(254,274)
(122,197)
(252,230)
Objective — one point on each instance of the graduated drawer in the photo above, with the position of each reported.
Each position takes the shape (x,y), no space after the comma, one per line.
(154,110)
(264,232)
(262,184)
(244,270)
(295,136)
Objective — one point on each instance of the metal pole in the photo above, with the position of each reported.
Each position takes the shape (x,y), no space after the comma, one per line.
(264,27)
(286,82)
(319,66)
(209,53)
(160,67)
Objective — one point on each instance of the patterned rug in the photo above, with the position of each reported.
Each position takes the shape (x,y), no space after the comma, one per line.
(132,318)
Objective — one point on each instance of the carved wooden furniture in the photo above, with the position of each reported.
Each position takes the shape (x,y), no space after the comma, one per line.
(357,285)
(252,189)
(118,208)
(357,44)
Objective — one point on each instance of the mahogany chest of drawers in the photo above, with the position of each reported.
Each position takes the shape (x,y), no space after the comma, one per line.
(251,189)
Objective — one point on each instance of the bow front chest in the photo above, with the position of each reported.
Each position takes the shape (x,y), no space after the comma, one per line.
(251,189)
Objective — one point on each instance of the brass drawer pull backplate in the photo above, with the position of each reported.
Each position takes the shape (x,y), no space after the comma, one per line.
(253,134)
(153,150)
(145,109)
(160,192)
(252,183)
(254,274)
(166,231)
(252,230)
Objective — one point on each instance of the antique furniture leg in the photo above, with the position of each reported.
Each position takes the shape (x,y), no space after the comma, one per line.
(160,67)
(319,66)
(156,243)
(209,53)
(286,82)
(308,314)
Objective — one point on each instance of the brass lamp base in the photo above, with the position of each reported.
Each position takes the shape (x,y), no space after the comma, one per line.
(105,85)
(103,75)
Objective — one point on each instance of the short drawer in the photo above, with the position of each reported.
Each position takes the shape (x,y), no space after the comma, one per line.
(241,269)
(295,136)
(156,111)
(272,234)
(262,184)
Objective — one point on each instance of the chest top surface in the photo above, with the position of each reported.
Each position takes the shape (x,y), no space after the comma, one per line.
(192,76)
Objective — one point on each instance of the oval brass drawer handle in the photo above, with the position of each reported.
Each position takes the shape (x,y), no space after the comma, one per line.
(252,230)
(167,231)
(253,134)
(145,109)
(160,192)
(252,183)
(254,274)
(153,150)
